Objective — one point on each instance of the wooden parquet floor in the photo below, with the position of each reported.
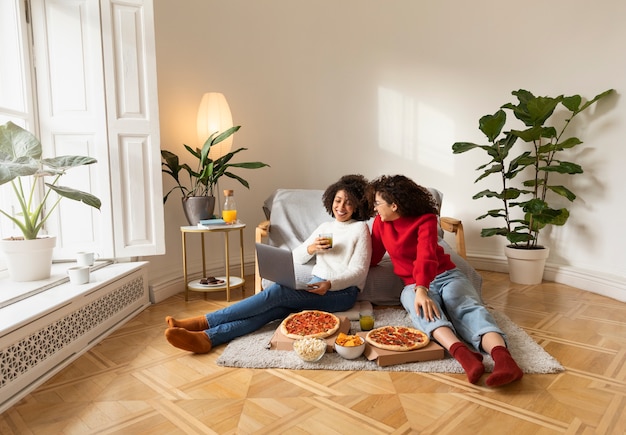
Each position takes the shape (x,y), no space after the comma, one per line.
(134,382)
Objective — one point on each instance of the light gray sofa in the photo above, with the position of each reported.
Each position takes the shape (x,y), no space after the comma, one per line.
(293,214)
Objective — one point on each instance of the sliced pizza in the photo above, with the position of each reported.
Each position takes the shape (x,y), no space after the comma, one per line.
(397,338)
(310,324)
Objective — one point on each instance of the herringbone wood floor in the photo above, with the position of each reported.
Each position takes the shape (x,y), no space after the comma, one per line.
(135,383)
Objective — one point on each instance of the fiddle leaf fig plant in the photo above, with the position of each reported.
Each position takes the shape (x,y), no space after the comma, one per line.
(21,157)
(204,178)
(533,154)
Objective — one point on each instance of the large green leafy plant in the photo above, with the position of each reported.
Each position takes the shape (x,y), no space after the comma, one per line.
(533,153)
(203,179)
(20,157)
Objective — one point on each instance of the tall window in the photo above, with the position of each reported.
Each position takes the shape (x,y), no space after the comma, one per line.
(95,94)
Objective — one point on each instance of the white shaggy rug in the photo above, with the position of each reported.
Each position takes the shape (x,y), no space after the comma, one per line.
(252,351)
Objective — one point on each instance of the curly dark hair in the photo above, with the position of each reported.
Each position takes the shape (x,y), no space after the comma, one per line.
(355,187)
(410,198)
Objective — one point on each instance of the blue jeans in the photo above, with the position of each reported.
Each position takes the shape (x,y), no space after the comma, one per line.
(460,306)
(273,303)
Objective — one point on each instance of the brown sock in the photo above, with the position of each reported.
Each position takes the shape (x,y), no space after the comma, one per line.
(472,362)
(193,341)
(505,368)
(192,324)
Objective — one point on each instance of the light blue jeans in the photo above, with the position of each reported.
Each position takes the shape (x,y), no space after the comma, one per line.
(460,306)
(273,303)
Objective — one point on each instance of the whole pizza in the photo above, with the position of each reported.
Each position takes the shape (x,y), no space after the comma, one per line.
(310,323)
(397,338)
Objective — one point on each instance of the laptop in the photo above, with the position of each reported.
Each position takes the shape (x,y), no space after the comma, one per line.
(276,264)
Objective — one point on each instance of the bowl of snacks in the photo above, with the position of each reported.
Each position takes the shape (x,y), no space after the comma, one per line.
(310,349)
(349,346)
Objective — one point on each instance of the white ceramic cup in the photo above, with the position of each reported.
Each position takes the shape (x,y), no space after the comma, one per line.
(78,274)
(85,258)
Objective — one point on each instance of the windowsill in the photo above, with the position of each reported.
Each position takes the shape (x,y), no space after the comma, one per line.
(13,291)
(46,296)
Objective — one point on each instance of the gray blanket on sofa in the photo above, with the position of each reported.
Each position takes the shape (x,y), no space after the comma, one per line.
(295,213)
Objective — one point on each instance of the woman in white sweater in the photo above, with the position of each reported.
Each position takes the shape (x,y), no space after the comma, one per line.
(338,276)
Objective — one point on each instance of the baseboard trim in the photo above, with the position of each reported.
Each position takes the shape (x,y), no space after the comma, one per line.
(171,286)
(595,282)
(161,290)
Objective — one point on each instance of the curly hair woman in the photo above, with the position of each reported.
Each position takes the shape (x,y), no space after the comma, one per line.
(338,275)
(439,298)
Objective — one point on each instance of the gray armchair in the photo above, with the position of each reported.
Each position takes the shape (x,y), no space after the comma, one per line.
(293,214)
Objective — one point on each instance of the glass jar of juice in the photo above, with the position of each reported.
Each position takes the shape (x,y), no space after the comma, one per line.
(229,212)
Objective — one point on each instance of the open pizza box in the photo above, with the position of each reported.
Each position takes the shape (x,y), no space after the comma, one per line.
(280,342)
(389,357)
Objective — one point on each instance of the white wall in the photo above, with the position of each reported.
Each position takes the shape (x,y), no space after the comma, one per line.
(323,88)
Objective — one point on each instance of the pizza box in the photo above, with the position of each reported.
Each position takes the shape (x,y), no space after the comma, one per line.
(389,357)
(280,342)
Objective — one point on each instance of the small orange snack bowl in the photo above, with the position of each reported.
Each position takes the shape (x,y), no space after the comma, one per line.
(349,346)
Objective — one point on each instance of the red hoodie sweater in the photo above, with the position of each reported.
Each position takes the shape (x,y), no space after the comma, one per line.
(412,244)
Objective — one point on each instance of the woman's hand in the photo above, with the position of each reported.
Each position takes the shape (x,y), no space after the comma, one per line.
(427,305)
(320,244)
(319,288)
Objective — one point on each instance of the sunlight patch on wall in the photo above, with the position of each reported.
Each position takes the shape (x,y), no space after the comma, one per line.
(414,130)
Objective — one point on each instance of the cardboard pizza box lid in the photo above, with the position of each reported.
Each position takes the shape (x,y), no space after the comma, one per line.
(385,357)
(280,342)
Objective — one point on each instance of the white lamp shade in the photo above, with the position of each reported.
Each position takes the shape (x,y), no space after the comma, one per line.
(214,116)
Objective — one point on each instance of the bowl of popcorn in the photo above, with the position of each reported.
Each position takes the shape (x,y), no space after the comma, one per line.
(349,346)
(310,349)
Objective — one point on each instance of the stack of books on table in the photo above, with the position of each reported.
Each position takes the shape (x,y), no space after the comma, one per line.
(211,223)
(217,223)
(214,221)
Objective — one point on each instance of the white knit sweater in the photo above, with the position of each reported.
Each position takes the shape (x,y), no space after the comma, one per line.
(347,262)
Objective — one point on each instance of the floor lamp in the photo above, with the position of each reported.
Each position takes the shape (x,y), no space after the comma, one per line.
(214,117)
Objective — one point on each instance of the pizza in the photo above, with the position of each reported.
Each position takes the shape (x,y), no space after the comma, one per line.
(310,324)
(398,338)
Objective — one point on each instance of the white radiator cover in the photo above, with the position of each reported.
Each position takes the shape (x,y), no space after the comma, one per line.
(44,333)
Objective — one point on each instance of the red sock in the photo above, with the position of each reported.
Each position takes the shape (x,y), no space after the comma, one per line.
(472,362)
(193,341)
(505,368)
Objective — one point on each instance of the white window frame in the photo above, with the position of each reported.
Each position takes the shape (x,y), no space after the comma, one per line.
(113,116)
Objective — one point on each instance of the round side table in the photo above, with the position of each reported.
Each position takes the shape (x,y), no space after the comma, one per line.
(230,282)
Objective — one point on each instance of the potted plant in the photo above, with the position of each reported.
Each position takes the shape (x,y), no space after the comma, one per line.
(22,165)
(198,196)
(525,206)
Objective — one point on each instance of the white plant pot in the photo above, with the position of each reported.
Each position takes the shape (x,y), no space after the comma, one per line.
(28,260)
(526,265)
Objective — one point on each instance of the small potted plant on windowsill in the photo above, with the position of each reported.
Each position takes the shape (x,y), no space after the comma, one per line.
(198,197)
(532,154)
(22,165)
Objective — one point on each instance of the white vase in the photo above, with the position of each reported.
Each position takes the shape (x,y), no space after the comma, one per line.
(526,265)
(28,260)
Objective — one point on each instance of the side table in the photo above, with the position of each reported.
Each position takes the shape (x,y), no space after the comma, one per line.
(230,282)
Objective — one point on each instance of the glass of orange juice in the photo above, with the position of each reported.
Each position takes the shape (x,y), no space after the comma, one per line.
(229,216)
(366,322)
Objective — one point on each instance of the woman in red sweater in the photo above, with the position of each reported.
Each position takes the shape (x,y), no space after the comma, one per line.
(439,298)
